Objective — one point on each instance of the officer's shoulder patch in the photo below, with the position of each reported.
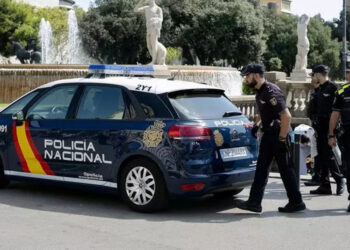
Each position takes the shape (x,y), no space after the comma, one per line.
(273,101)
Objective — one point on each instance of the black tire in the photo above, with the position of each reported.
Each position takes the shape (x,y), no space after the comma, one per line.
(228,193)
(159,199)
(3,180)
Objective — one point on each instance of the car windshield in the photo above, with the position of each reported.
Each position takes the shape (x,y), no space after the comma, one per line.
(202,104)
(20,104)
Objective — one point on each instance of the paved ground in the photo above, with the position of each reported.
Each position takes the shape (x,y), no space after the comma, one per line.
(45,217)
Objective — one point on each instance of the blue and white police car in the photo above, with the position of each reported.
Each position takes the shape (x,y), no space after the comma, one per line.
(152,139)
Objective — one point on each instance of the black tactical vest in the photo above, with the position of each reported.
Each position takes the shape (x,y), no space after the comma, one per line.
(344,93)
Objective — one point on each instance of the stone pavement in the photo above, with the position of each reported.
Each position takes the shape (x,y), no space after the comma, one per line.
(44,217)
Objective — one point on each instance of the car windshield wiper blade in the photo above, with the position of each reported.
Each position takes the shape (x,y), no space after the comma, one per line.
(233,113)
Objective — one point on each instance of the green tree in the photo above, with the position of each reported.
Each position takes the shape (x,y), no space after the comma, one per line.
(21,22)
(113,33)
(281,32)
(58,18)
(218,30)
(172,55)
(275,64)
(211,30)
(323,49)
(281,35)
(16,24)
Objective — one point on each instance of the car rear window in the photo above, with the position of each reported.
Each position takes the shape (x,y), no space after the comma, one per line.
(152,105)
(202,104)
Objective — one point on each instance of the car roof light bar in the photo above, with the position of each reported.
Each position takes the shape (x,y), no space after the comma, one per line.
(102,70)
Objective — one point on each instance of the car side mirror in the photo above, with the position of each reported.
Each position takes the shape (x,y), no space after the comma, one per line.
(19,116)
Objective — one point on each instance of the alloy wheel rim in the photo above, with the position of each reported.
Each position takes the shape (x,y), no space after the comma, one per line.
(140,185)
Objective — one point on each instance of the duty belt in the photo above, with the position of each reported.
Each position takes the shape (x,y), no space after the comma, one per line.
(273,128)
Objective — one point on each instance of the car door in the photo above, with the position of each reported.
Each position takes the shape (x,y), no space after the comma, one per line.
(9,156)
(107,119)
(43,123)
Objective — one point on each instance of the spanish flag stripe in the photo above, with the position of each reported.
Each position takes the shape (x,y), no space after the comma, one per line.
(18,149)
(33,164)
(44,164)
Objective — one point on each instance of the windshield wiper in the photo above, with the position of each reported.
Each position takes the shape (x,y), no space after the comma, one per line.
(233,113)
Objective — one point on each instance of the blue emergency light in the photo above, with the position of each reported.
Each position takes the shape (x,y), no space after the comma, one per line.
(121,70)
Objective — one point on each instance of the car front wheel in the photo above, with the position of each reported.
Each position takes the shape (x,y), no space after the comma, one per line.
(142,186)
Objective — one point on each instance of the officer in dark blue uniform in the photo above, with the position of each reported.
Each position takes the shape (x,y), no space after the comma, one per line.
(341,108)
(312,114)
(325,98)
(275,125)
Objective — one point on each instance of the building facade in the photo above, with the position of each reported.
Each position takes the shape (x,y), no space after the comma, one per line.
(280,6)
(49,3)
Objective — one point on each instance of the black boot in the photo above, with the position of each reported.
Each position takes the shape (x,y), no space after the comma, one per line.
(340,186)
(322,190)
(249,206)
(311,183)
(292,207)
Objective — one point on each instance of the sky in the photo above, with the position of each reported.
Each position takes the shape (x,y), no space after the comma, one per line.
(328,9)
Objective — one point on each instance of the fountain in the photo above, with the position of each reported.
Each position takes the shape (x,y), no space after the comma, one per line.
(45,35)
(70,52)
(228,79)
(16,80)
(74,41)
(76,53)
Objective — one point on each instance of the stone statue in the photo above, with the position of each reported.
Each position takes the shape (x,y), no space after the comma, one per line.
(154,20)
(25,56)
(300,68)
(303,43)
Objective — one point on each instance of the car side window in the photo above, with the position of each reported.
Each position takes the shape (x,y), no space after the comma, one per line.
(53,105)
(152,105)
(102,102)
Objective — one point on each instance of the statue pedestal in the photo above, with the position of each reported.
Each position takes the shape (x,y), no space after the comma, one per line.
(275,76)
(299,75)
(297,95)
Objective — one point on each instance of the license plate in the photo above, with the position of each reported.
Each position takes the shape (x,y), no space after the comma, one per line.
(232,153)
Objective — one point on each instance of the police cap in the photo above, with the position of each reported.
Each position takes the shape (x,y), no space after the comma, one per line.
(323,69)
(253,68)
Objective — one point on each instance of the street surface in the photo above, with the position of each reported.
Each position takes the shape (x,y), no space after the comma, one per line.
(36,216)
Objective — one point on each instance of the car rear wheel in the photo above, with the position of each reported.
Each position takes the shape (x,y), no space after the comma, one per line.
(228,193)
(142,186)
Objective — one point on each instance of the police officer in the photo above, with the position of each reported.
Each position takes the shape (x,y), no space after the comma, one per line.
(325,98)
(275,124)
(341,108)
(312,114)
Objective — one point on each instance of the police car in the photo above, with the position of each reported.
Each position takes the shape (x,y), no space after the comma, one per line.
(120,128)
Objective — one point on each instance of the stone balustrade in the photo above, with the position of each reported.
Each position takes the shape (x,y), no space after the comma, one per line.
(297,97)
(246,104)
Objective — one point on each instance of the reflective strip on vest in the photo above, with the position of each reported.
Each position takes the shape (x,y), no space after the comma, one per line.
(341,91)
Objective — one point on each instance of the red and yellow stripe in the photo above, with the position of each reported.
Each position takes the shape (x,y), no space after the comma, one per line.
(29,156)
